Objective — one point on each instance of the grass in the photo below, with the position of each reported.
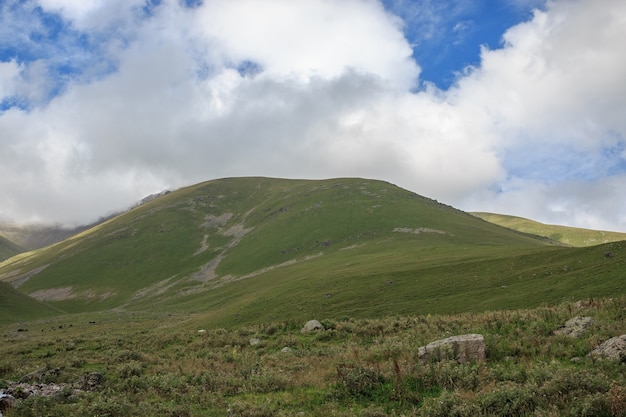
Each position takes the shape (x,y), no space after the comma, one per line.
(161,365)
(571,236)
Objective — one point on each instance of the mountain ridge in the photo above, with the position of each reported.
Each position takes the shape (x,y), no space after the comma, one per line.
(8,248)
(573,236)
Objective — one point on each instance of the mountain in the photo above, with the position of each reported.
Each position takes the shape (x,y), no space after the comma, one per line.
(31,237)
(251,249)
(8,249)
(571,236)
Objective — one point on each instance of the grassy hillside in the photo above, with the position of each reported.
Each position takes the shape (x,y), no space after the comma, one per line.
(15,306)
(572,236)
(8,249)
(246,250)
(204,236)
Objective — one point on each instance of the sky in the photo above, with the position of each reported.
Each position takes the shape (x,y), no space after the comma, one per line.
(507,106)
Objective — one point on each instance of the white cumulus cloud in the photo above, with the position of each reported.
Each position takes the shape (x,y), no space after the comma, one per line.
(318,89)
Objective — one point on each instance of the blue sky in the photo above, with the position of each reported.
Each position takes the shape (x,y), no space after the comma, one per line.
(511,106)
(445,37)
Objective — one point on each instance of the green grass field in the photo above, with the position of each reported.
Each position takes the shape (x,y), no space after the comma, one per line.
(159,364)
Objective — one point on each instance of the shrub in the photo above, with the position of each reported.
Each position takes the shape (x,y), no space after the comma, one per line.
(106,407)
(616,398)
(130,369)
(359,383)
(593,405)
(509,400)
(448,404)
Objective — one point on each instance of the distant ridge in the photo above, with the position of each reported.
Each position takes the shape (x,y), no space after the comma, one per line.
(571,236)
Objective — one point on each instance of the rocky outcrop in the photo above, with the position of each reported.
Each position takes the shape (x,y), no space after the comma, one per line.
(575,327)
(312,326)
(39,384)
(613,349)
(462,348)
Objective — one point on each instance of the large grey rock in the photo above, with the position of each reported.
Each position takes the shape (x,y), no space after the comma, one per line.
(575,327)
(312,326)
(614,348)
(462,348)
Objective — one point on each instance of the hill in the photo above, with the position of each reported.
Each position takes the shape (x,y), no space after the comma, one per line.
(36,236)
(8,249)
(257,249)
(15,306)
(571,236)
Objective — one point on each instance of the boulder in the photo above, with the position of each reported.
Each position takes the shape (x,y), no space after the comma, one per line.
(312,326)
(286,349)
(575,327)
(614,349)
(462,348)
(255,341)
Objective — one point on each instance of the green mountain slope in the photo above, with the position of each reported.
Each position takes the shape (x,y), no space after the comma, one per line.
(8,249)
(15,306)
(572,236)
(249,249)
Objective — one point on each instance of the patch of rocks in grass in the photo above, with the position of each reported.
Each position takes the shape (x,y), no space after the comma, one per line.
(39,384)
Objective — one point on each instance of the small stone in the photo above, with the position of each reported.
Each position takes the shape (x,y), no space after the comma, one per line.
(286,349)
(255,342)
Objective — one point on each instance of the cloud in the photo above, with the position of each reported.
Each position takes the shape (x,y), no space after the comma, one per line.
(9,72)
(97,15)
(319,89)
(555,94)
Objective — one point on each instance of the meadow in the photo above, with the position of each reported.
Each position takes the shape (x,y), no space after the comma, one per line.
(176,365)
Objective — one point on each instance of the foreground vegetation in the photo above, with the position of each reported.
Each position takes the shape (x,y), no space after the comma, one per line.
(162,365)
